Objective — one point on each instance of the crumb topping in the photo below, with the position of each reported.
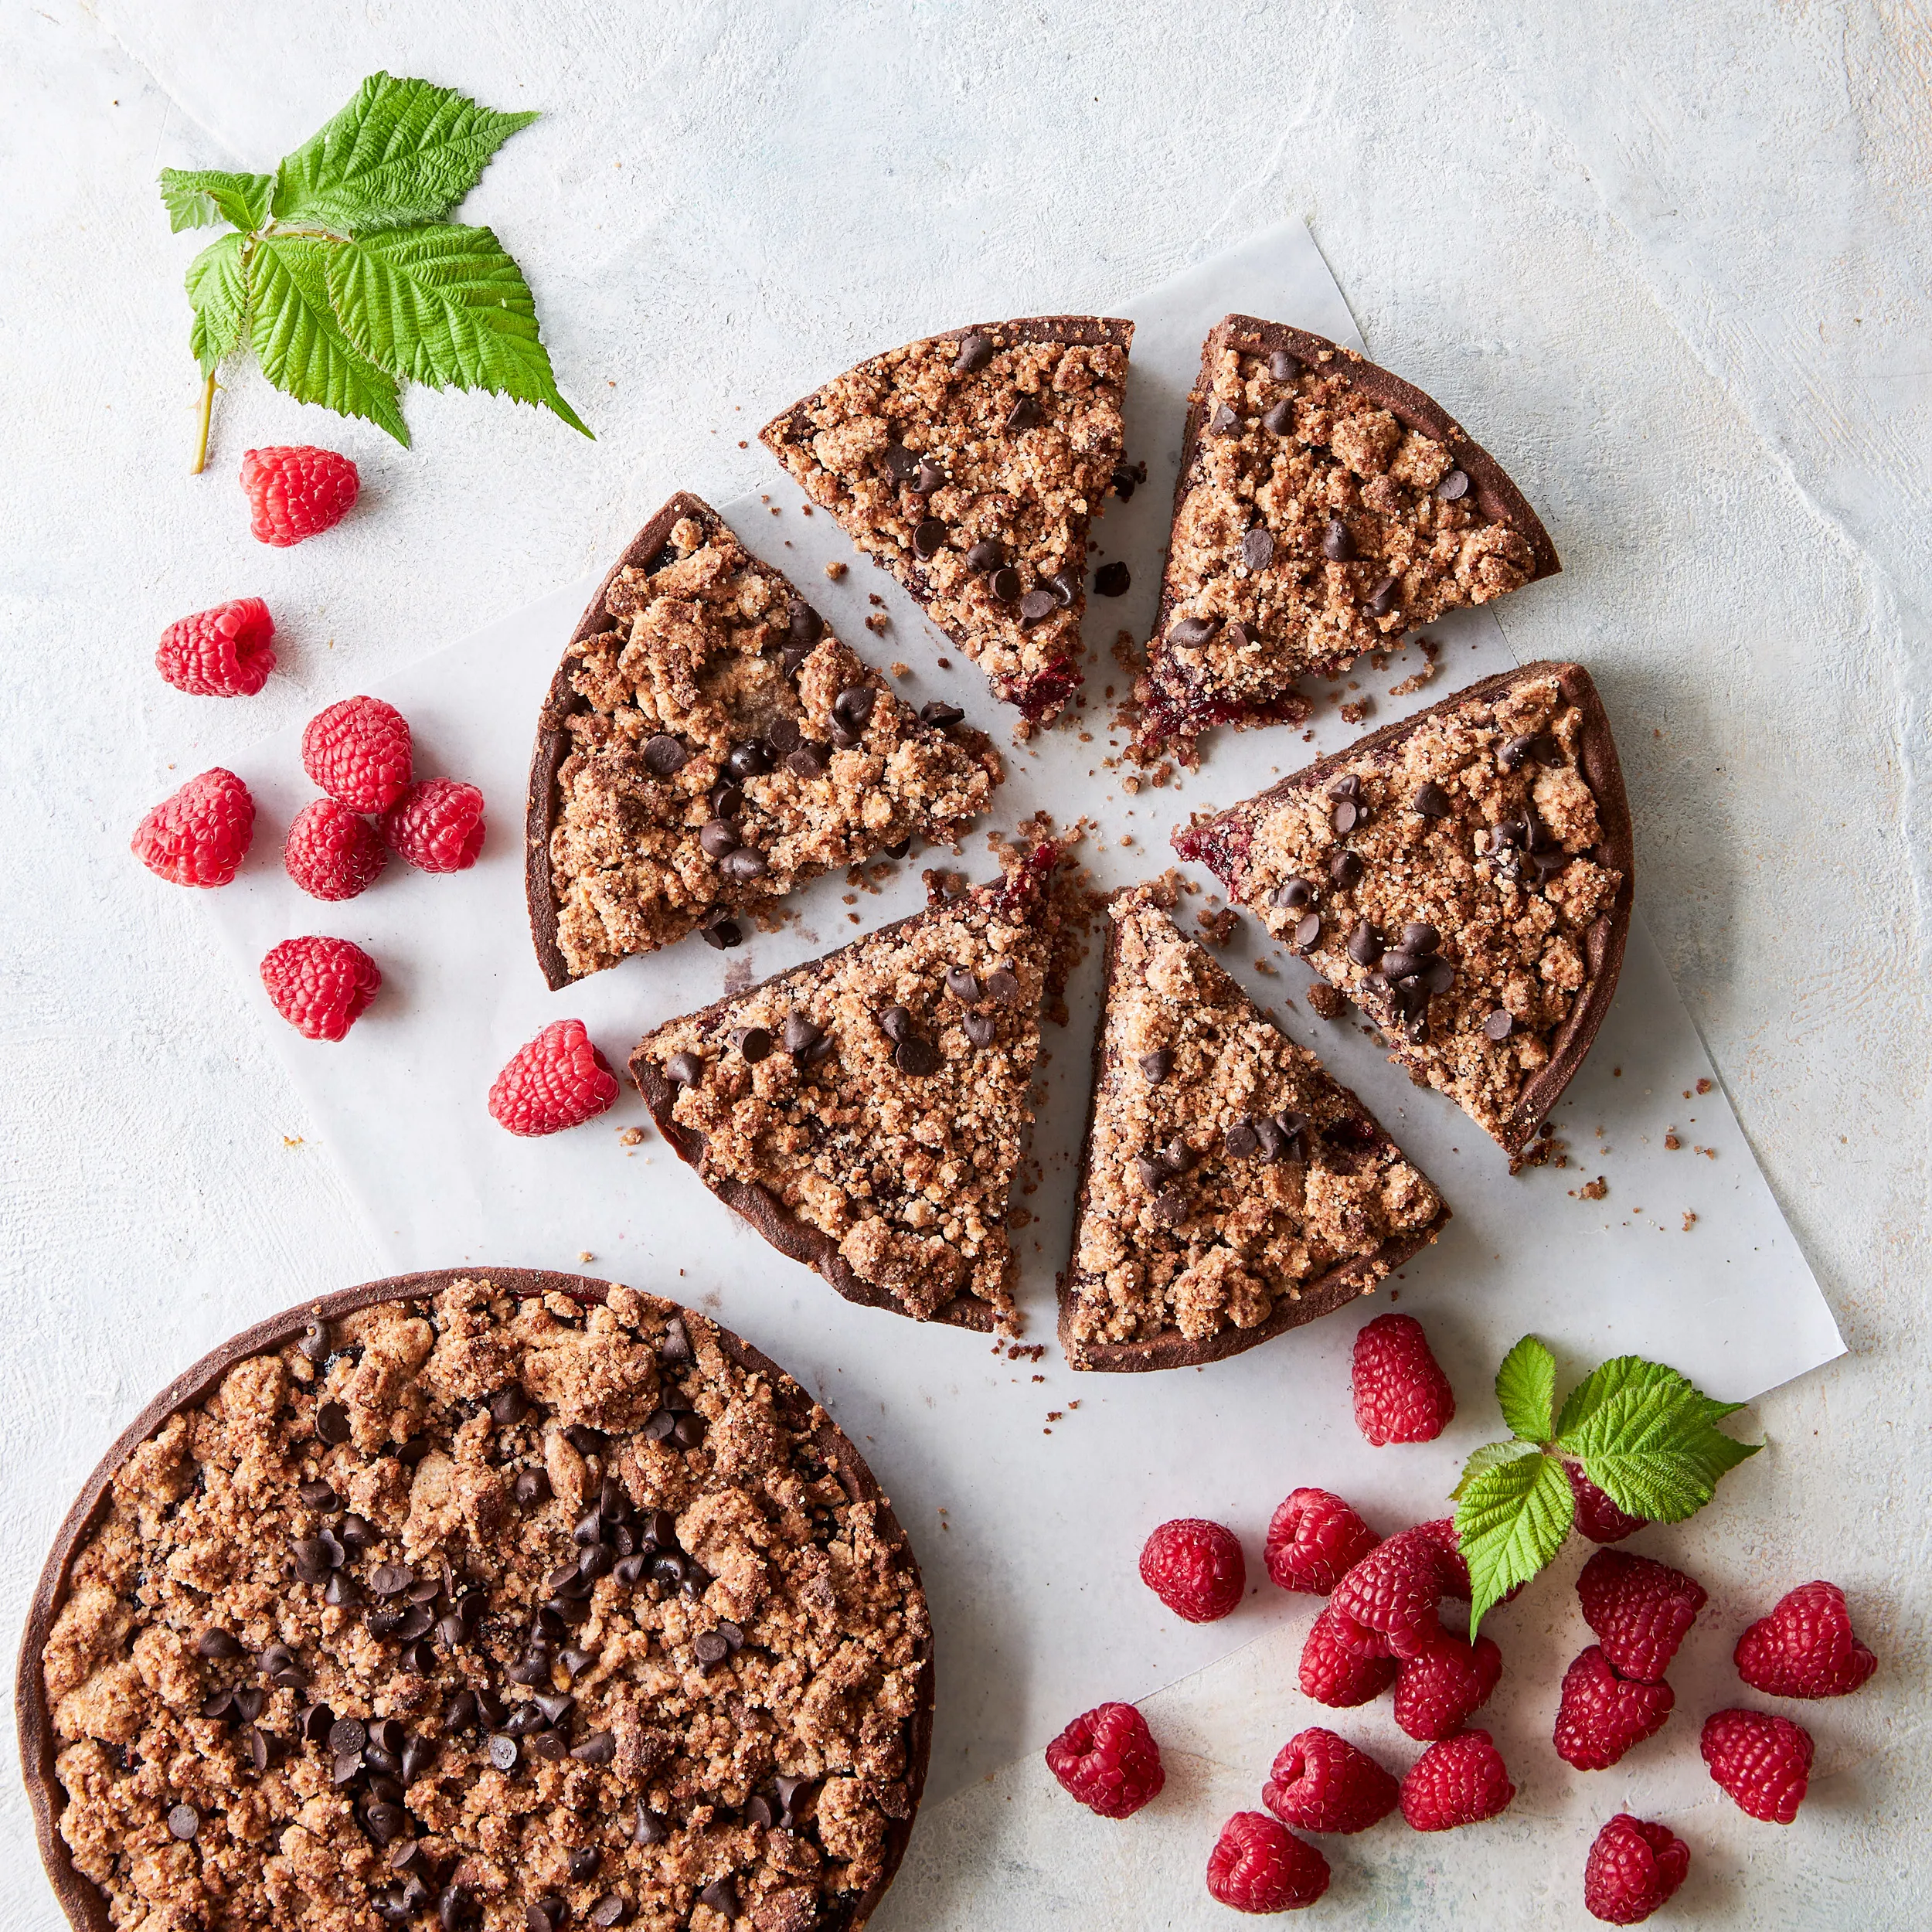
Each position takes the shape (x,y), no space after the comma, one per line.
(1313,527)
(880,1096)
(729,748)
(1443,884)
(1225,1169)
(970,466)
(472,1612)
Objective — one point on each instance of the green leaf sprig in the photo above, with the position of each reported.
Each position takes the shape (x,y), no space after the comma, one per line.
(1642,1433)
(341,274)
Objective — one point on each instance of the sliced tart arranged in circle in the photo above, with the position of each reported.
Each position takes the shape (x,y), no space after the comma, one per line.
(1464,877)
(480,1598)
(865,1112)
(707,745)
(1324,508)
(970,465)
(1230,1189)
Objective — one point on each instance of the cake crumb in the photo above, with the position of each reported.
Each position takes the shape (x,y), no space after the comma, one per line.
(877,622)
(1690,1221)
(1324,1000)
(836,570)
(632,1136)
(1672,1141)
(1703,1086)
(1354,712)
(1591,1190)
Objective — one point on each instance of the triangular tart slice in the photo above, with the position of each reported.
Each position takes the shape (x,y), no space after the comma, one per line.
(865,1112)
(1230,1188)
(1465,876)
(707,745)
(1324,507)
(969,465)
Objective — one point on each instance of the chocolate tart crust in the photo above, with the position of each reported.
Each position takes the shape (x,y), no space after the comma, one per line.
(1221,843)
(1320,1297)
(86,1908)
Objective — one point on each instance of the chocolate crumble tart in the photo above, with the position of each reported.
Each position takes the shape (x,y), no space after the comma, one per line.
(1324,507)
(707,745)
(1465,877)
(1229,1188)
(492,1601)
(970,465)
(865,1112)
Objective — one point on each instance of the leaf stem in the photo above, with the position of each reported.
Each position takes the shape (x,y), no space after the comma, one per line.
(201,441)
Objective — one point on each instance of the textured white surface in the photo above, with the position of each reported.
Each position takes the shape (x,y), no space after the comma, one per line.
(1671,265)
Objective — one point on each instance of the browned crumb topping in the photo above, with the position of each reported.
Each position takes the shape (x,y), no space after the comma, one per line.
(1441,883)
(970,466)
(731,748)
(1325,1003)
(1313,526)
(471,1604)
(1225,1168)
(879,1096)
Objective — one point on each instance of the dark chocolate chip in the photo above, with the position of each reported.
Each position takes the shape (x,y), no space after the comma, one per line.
(596,1560)
(1271,1141)
(216,1642)
(1280,419)
(710,1647)
(340,1592)
(1193,631)
(930,538)
(220,1704)
(940,714)
(583,1863)
(629,1571)
(1150,1170)
(717,838)
(916,1056)
(1453,486)
(1386,597)
(1348,786)
(980,1028)
(930,477)
(975,352)
(1295,893)
(686,1068)
(183,1821)
(721,932)
(504,1751)
(758,1812)
(689,1433)
(356,1531)
(249,1700)
(1337,545)
(895,1022)
(1396,965)
(1223,422)
(805,626)
(506,1408)
(727,801)
(490,1709)
(1125,481)
(1345,815)
(901,461)
(331,1423)
(732,1634)
(1112,580)
(600,1748)
(1156,1067)
(1242,1141)
(1036,605)
(653,1828)
(1065,587)
(853,706)
(1024,415)
(676,1344)
(387,1823)
(347,1736)
(985,555)
(1257,548)
(1500,1025)
(1170,1207)
(754,1043)
(1002,985)
(577,1661)
(800,1032)
(796,1795)
(961,984)
(1177,1157)
(1431,802)
(315,1342)
(261,1750)
(419,1753)
(1437,976)
(609,1910)
(663,755)
(1518,751)
(1307,931)
(345,1768)
(1365,943)
(748,761)
(721,1896)
(390,1579)
(806,762)
(1005,584)
(1240,636)
(315,1723)
(532,1487)
(454,1908)
(418,1658)
(317,1496)
(1418,936)
(545,1915)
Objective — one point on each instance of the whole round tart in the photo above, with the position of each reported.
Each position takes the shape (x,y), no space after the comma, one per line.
(482,1599)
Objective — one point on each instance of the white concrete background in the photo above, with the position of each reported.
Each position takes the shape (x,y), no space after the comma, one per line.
(1671,264)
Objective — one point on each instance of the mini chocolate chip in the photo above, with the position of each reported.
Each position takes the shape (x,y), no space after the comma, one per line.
(596,1560)
(663,755)
(1500,1025)
(331,1423)
(653,1828)
(545,1915)
(315,1723)
(418,1755)
(1005,584)
(506,1407)
(1170,1207)
(1437,976)
(801,1032)
(853,706)
(347,1735)
(1346,869)
(805,762)
(717,838)
(1284,367)
(686,1068)
(758,1812)
(732,1633)
(985,555)
(609,1910)
(1365,943)
(805,626)
(583,1863)
(418,1658)
(1418,936)
(1394,965)
(1242,1141)
(1003,986)
(1431,802)
(1156,1067)
(1348,786)
(1337,545)
(1150,1170)
(1307,931)
(980,1028)
(340,1592)
(412,1451)
(689,1431)
(721,1896)
(961,984)
(345,1768)
(356,1531)
(1112,580)
(710,1647)
(1345,816)
(726,801)
(577,1661)
(930,477)
(261,1750)
(1065,587)
(532,1487)
(718,932)
(1271,1139)
(555,1705)
(216,1642)
(386,1823)
(628,1571)
(1025,413)
(901,461)
(1280,419)
(249,1700)
(975,352)
(390,1579)
(1295,893)
(183,1821)
(490,1709)
(504,1752)
(940,715)
(930,537)
(315,1342)
(754,1043)
(748,761)
(1386,597)
(1223,422)
(796,1795)
(1240,636)
(916,1056)
(895,1022)
(220,1704)
(453,1908)
(1453,486)
(1036,605)
(1191,631)
(317,1496)
(1257,548)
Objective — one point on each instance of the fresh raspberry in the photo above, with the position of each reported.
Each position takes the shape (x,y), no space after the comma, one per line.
(1765,1762)
(1195,1568)
(1633,1868)
(222,653)
(1322,1783)
(1805,1648)
(1315,1539)
(1342,1673)
(1258,1865)
(321,986)
(298,491)
(1462,1780)
(1640,1611)
(200,835)
(358,752)
(1392,1593)
(1401,1395)
(331,853)
(1107,1758)
(437,826)
(1436,1692)
(1451,1570)
(559,1080)
(1600,1716)
(1597,1517)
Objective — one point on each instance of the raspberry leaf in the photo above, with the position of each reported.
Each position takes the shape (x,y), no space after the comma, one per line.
(206,197)
(218,291)
(447,306)
(1492,1455)
(300,345)
(1526,1390)
(1511,1516)
(402,151)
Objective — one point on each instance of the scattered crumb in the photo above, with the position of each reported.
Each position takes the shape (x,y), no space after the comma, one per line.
(944,664)
(1218,928)
(1325,1001)
(1708,1153)
(1413,682)
(632,1136)
(1130,784)
(875,600)
(1690,1221)
(1356,710)
(1591,1190)
(291,1139)
(1056,1415)
(835,570)
(899,670)
(584,1254)
(877,622)
(1039,1378)
(1672,1141)
(1022,1351)
(1265,967)
(1703,1086)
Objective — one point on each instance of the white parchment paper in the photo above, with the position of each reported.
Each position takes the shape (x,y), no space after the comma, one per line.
(1028,1511)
